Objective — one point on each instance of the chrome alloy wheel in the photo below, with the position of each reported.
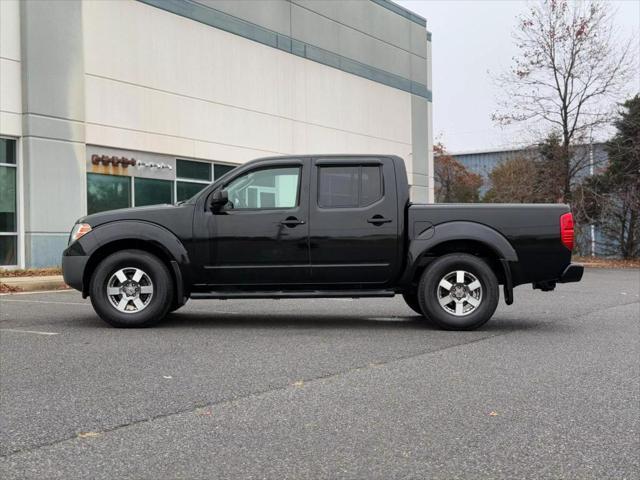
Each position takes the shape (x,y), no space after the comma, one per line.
(130,290)
(459,293)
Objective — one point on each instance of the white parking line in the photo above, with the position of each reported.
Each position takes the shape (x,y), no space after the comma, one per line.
(45,301)
(388,319)
(27,331)
(35,292)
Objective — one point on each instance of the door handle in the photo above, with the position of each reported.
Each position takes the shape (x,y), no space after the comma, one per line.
(291,222)
(378,220)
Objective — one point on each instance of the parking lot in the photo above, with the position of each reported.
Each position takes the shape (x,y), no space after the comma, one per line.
(325,389)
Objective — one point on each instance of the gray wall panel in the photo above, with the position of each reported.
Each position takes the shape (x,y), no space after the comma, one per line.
(418,70)
(419,139)
(365,49)
(45,250)
(55,194)
(51,42)
(271,14)
(367,17)
(330,35)
(53,125)
(53,128)
(418,40)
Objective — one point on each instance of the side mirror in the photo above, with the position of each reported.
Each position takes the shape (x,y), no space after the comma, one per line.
(218,200)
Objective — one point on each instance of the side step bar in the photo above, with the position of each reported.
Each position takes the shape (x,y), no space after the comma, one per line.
(227,295)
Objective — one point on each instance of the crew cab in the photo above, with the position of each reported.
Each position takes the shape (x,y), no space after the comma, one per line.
(318,226)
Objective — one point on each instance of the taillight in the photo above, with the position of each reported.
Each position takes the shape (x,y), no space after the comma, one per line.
(566,230)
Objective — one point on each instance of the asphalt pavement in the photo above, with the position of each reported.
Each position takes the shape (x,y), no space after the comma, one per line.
(549,388)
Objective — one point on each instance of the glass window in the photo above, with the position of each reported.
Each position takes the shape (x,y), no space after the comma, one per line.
(7,151)
(220,170)
(107,192)
(349,186)
(193,170)
(266,188)
(8,250)
(8,211)
(371,190)
(186,190)
(8,203)
(338,187)
(150,191)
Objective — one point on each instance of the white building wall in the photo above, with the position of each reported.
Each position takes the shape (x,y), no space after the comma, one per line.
(10,83)
(209,94)
(431,195)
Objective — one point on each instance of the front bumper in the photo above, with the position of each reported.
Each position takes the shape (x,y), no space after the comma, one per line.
(573,273)
(73,269)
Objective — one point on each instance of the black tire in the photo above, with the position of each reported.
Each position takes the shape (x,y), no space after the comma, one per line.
(429,288)
(158,304)
(412,302)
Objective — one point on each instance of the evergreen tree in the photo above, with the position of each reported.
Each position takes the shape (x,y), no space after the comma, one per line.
(611,199)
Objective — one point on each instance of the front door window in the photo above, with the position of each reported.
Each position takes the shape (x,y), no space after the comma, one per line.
(270,188)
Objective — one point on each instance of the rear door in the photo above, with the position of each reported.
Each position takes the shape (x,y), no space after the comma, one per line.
(353,231)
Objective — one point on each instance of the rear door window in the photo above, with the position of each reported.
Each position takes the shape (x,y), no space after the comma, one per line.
(350,186)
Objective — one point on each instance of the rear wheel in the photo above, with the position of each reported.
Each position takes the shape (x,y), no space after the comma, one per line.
(131,288)
(412,302)
(458,292)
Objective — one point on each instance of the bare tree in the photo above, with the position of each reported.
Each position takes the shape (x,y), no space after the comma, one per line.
(569,73)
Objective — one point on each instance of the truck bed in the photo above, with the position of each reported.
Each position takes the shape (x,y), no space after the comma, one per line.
(533,230)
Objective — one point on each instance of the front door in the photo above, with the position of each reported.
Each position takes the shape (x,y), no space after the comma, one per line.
(354,226)
(261,236)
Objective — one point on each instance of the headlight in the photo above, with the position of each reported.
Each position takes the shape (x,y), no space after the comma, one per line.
(79,230)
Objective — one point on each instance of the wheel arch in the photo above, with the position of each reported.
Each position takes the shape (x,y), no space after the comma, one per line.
(157,240)
(460,237)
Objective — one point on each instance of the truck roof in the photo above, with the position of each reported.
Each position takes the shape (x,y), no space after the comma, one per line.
(336,156)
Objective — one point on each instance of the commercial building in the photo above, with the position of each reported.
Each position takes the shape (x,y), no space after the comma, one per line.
(116,103)
(482,162)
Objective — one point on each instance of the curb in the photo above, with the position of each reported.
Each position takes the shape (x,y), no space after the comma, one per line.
(32,284)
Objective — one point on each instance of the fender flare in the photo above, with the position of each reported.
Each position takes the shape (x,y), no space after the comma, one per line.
(436,235)
(142,231)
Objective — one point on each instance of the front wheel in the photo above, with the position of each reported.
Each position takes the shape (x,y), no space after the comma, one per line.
(458,292)
(131,288)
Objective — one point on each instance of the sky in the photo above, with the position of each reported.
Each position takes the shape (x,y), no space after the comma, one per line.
(472,40)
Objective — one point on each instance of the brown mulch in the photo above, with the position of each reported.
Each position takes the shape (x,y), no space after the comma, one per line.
(4,288)
(598,262)
(31,272)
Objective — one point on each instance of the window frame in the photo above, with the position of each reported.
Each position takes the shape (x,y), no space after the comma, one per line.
(359,206)
(133,190)
(190,180)
(130,189)
(18,227)
(269,167)
(196,180)
(213,169)
(174,181)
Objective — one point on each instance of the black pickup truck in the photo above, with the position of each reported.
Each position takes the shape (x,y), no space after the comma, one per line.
(318,226)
